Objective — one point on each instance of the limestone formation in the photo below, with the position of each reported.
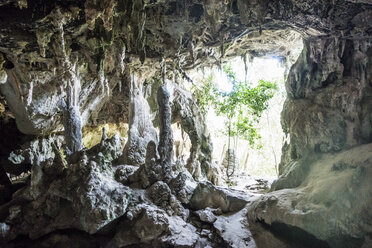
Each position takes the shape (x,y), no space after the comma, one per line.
(130,62)
(186,112)
(165,147)
(141,129)
(82,196)
(328,203)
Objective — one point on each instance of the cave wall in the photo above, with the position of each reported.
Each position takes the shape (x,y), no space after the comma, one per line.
(326,167)
(329,91)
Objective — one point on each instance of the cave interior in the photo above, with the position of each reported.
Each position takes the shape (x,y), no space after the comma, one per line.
(94,96)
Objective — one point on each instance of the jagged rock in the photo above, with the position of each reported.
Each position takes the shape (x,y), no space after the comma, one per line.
(321,114)
(36,151)
(214,174)
(111,148)
(161,195)
(207,195)
(33,153)
(179,188)
(151,171)
(124,172)
(182,234)
(261,185)
(83,196)
(151,225)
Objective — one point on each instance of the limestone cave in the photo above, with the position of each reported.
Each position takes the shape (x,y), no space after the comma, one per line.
(151,123)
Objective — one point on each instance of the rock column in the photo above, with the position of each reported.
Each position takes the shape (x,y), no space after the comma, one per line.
(165,147)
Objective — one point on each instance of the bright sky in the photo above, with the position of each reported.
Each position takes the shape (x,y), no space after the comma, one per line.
(261,68)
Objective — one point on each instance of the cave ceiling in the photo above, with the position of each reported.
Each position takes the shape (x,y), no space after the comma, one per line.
(100,44)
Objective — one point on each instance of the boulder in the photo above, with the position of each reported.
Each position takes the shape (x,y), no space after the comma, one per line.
(206,215)
(228,200)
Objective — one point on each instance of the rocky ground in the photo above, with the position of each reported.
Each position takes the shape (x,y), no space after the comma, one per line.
(95,202)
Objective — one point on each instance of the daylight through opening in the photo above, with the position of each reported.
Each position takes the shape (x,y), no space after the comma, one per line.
(247,146)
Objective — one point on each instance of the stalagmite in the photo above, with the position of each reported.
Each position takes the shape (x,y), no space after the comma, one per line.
(165,147)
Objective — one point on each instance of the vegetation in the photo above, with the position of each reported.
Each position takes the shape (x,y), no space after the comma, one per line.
(242,106)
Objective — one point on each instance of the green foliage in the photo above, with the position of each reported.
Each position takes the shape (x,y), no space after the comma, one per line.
(242,106)
(206,94)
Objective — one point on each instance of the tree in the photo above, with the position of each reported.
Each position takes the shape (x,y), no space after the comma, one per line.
(242,106)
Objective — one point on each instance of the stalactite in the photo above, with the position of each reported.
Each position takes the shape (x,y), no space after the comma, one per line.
(71,112)
(107,87)
(65,59)
(222,49)
(72,122)
(192,51)
(245,67)
(30,91)
(163,68)
(122,58)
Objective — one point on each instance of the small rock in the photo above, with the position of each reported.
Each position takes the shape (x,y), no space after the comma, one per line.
(206,216)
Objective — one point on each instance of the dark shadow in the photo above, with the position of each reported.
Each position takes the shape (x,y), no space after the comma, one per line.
(281,235)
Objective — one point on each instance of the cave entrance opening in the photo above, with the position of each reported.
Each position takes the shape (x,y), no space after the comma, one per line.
(262,157)
(258,160)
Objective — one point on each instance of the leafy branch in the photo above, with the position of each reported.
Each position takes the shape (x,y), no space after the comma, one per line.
(242,106)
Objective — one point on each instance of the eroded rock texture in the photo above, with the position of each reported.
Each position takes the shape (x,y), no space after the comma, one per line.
(83,195)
